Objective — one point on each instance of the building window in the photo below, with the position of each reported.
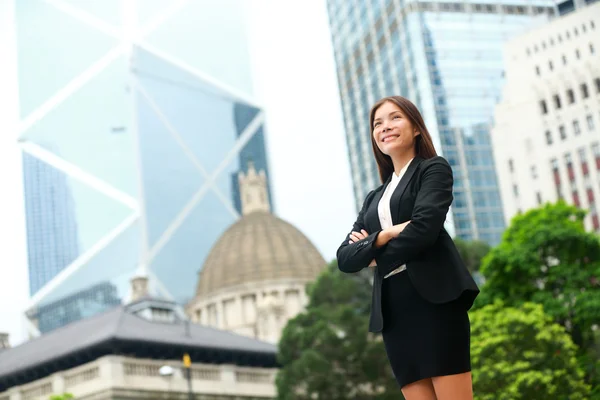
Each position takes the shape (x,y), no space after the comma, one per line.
(575,31)
(576,201)
(592,25)
(534,174)
(562,132)
(576,128)
(543,107)
(511,166)
(550,65)
(538,195)
(548,137)
(577,54)
(537,70)
(583,161)
(597,82)
(571,96)
(584,91)
(515,190)
(564,58)
(592,51)
(556,101)
(590,122)
(596,152)
(568,159)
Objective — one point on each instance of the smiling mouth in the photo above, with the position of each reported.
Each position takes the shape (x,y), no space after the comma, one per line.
(390,138)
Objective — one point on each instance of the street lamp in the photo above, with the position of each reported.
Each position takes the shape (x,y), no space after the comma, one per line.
(166,371)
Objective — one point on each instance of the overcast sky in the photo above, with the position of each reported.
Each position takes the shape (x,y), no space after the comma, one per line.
(294,79)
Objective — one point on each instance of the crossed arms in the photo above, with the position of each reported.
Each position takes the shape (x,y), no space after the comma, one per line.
(402,242)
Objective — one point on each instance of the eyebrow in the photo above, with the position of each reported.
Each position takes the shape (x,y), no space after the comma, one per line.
(393,112)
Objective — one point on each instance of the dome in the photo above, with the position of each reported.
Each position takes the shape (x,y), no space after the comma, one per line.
(259,247)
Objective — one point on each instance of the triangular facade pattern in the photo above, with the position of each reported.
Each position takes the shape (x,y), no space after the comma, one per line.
(141,124)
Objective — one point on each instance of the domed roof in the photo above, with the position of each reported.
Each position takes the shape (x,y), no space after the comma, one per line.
(259,247)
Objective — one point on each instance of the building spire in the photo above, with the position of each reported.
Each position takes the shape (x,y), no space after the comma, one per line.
(253,190)
(139,283)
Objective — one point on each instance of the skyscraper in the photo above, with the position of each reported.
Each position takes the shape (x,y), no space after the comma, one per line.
(447,58)
(144,118)
(52,240)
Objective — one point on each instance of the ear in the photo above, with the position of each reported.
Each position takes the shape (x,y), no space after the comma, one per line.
(416,133)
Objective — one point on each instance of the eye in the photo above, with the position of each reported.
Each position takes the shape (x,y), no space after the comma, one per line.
(397,117)
(376,124)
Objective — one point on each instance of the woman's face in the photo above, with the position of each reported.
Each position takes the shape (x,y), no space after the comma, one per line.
(392,131)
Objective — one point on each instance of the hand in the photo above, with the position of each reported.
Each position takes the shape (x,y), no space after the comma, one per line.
(356,236)
(389,233)
(396,229)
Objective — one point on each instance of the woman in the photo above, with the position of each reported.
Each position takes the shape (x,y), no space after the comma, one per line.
(422,289)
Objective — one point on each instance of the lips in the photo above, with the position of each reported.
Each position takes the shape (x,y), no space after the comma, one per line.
(389,138)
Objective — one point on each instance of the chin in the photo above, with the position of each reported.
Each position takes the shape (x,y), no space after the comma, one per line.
(391,148)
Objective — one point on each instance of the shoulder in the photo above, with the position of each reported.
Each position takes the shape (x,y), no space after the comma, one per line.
(437,160)
(437,163)
(435,166)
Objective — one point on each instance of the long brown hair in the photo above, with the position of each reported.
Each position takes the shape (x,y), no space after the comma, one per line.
(423,143)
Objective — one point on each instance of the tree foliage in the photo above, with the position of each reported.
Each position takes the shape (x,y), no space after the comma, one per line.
(547,257)
(66,396)
(472,252)
(327,352)
(520,353)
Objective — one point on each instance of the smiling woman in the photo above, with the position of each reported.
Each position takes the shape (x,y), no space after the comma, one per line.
(422,289)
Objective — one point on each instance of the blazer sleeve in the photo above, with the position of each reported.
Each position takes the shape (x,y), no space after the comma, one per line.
(429,213)
(353,257)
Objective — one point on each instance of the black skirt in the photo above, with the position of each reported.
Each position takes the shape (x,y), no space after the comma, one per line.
(422,339)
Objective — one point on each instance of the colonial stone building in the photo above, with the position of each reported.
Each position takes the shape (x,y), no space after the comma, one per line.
(254,278)
(136,352)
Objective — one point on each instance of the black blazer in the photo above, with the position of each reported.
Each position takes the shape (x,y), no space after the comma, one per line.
(433,263)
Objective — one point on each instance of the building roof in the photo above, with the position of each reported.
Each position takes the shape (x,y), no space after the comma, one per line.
(259,247)
(110,332)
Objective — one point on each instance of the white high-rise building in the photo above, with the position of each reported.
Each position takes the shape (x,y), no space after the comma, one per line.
(546,137)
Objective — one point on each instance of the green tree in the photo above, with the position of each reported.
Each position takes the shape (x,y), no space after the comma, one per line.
(472,252)
(327,352)
(547,257)
(66,396)
(520,353)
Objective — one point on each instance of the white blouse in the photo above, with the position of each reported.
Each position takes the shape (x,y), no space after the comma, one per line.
(383,208)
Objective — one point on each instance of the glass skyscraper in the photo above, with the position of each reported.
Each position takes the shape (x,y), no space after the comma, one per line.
(51,225)
(136,117)
(447,58)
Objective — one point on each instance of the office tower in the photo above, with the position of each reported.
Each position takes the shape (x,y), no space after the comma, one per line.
(52,241)
(143,111)
(446,57)
(546,141)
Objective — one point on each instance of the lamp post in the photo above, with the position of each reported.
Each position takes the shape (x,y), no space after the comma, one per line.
(167,372)
(187,363)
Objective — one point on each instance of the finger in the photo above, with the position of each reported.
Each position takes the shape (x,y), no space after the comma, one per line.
(364,232)
(357,235)
(354,238)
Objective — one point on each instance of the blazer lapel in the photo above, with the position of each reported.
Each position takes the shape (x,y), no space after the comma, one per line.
(372,214)
(397,195)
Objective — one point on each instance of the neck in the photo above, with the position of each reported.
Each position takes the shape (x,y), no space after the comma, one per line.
(400,161)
